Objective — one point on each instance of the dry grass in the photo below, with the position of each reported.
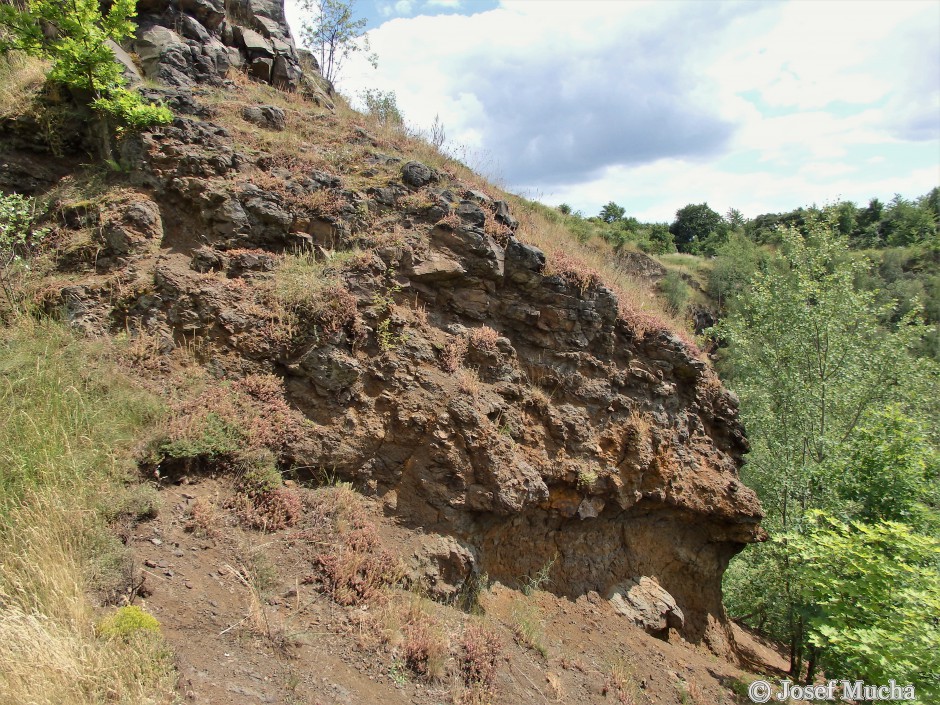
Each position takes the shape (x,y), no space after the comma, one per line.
(306,289)
(468,382)
(620,681)
(352,565)
(65,441)
(588,264)
(21,79)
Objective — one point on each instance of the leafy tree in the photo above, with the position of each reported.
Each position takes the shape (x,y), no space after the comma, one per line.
(888,472)
(331,32)
(906,223)
(736,262)
(382,105)
(564,209)
(735,219)
(813,364)
(661,242)
(73,34)
(612,212)
(693,225)
(871,595)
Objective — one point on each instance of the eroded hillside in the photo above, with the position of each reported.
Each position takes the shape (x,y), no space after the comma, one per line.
(367,310)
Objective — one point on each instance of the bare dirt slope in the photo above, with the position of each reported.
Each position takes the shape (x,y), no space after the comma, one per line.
(247,624)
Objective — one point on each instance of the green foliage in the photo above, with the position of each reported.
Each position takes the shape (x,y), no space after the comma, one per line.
(830,398)
(130,111)
(383,106)
(612,212)
(809,356)
(737,260)
(873,592)
(16,218)
(676,291)
(694,224)
(888,471)
(74,36)
(330,31)
(215,437)
(19,239)
(127,622)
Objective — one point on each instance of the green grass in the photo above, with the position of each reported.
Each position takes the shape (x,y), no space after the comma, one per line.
(69,420)
(68,435)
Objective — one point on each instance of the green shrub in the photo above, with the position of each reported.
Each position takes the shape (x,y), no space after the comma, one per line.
(126,622)
(676,291)
(81,58)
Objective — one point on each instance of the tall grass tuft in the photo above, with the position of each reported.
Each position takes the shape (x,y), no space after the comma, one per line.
(67,437)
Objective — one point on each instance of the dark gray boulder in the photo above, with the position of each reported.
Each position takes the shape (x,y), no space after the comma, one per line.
(268,116)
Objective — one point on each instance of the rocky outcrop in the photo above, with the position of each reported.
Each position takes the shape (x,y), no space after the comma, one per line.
(507,407)
(191,42)
(518,413)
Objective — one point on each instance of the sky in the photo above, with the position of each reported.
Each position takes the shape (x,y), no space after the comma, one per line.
(759,106)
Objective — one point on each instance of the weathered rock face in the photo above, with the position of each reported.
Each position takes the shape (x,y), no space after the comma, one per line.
(511,410)
(518,413)
(194,42)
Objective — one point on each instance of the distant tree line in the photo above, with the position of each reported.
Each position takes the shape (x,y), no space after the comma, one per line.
(698,229)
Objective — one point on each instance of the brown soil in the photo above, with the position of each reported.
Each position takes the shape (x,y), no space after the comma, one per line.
(304,648)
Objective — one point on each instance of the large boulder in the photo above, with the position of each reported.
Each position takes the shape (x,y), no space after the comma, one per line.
(643,600)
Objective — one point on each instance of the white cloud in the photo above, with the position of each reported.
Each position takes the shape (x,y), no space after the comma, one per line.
(395,9)
(643,102)
(450,4)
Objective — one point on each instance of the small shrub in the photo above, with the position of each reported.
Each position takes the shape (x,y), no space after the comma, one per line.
(620,682)
(204,519)
(480,651)
(676,291)
(232,421)
(262,501)
(586,479)
(425,645)
(484,339)
(452,355)
(312,290)
(126,623)
(382,106)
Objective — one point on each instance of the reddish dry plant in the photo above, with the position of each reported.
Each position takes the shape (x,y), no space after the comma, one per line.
(337,309)
(248,415)
(496,230)
(484,339)
(451,221)
(480,651)
(573,270)
(643,322)
(323,202)
(204,519)
(453,354)
(425,647)
(352,564)
(269,510)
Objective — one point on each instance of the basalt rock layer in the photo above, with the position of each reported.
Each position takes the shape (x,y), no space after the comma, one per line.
(487,396)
